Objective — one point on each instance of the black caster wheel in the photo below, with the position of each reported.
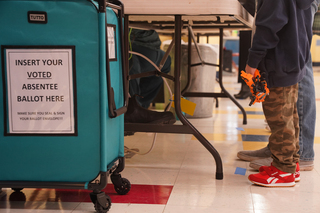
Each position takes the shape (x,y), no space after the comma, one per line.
(105,208)
(101,201)
(124,187)
(17,196)
(17,189)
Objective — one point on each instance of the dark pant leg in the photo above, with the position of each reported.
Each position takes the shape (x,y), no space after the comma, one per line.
(244,46)
(150,86)
(134,87)
(280,109)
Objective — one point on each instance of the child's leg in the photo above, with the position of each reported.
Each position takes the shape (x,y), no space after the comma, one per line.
(280,109)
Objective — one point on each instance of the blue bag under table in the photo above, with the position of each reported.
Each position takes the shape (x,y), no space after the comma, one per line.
(62,95)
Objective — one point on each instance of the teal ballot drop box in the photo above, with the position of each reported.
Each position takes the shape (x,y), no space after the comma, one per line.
(63,94)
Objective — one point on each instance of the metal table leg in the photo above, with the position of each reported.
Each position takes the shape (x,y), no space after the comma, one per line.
(177,94)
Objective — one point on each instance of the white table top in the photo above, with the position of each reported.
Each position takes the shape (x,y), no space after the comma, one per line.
(182,7)
(211,13)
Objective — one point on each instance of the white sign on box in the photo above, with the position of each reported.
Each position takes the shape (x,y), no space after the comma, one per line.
(40,91)
(111,42)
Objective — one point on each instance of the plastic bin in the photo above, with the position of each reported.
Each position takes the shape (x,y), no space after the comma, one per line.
(203,77)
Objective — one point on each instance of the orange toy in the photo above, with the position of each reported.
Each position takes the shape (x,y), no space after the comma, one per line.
(258,86)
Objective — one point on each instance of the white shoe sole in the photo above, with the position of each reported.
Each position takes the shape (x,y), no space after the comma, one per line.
(291,184)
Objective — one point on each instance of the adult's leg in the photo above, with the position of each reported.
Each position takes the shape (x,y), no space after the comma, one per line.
(307,114)
(136,113)
(307,109)
(244,45)
(134,65)
(150,86)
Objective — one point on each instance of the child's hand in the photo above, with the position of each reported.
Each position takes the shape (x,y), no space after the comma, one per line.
(250,70)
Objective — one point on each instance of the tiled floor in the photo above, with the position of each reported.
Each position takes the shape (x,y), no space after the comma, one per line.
(178,175)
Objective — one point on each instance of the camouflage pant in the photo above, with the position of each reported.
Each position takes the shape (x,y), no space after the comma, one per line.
(280,109)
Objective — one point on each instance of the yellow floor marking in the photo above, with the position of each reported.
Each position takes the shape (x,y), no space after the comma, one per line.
(255,109)
(255,132)
(219,137)
(252,145)
(217,111)
(252,116)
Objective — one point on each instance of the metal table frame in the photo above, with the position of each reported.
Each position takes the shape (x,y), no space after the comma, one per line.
(186,127)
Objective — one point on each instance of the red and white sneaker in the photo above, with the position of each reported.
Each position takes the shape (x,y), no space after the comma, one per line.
(296,174)
(270,176)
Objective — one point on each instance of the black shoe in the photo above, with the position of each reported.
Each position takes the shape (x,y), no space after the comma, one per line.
(128,133)
(138,114)
(244,92)
(242,95)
